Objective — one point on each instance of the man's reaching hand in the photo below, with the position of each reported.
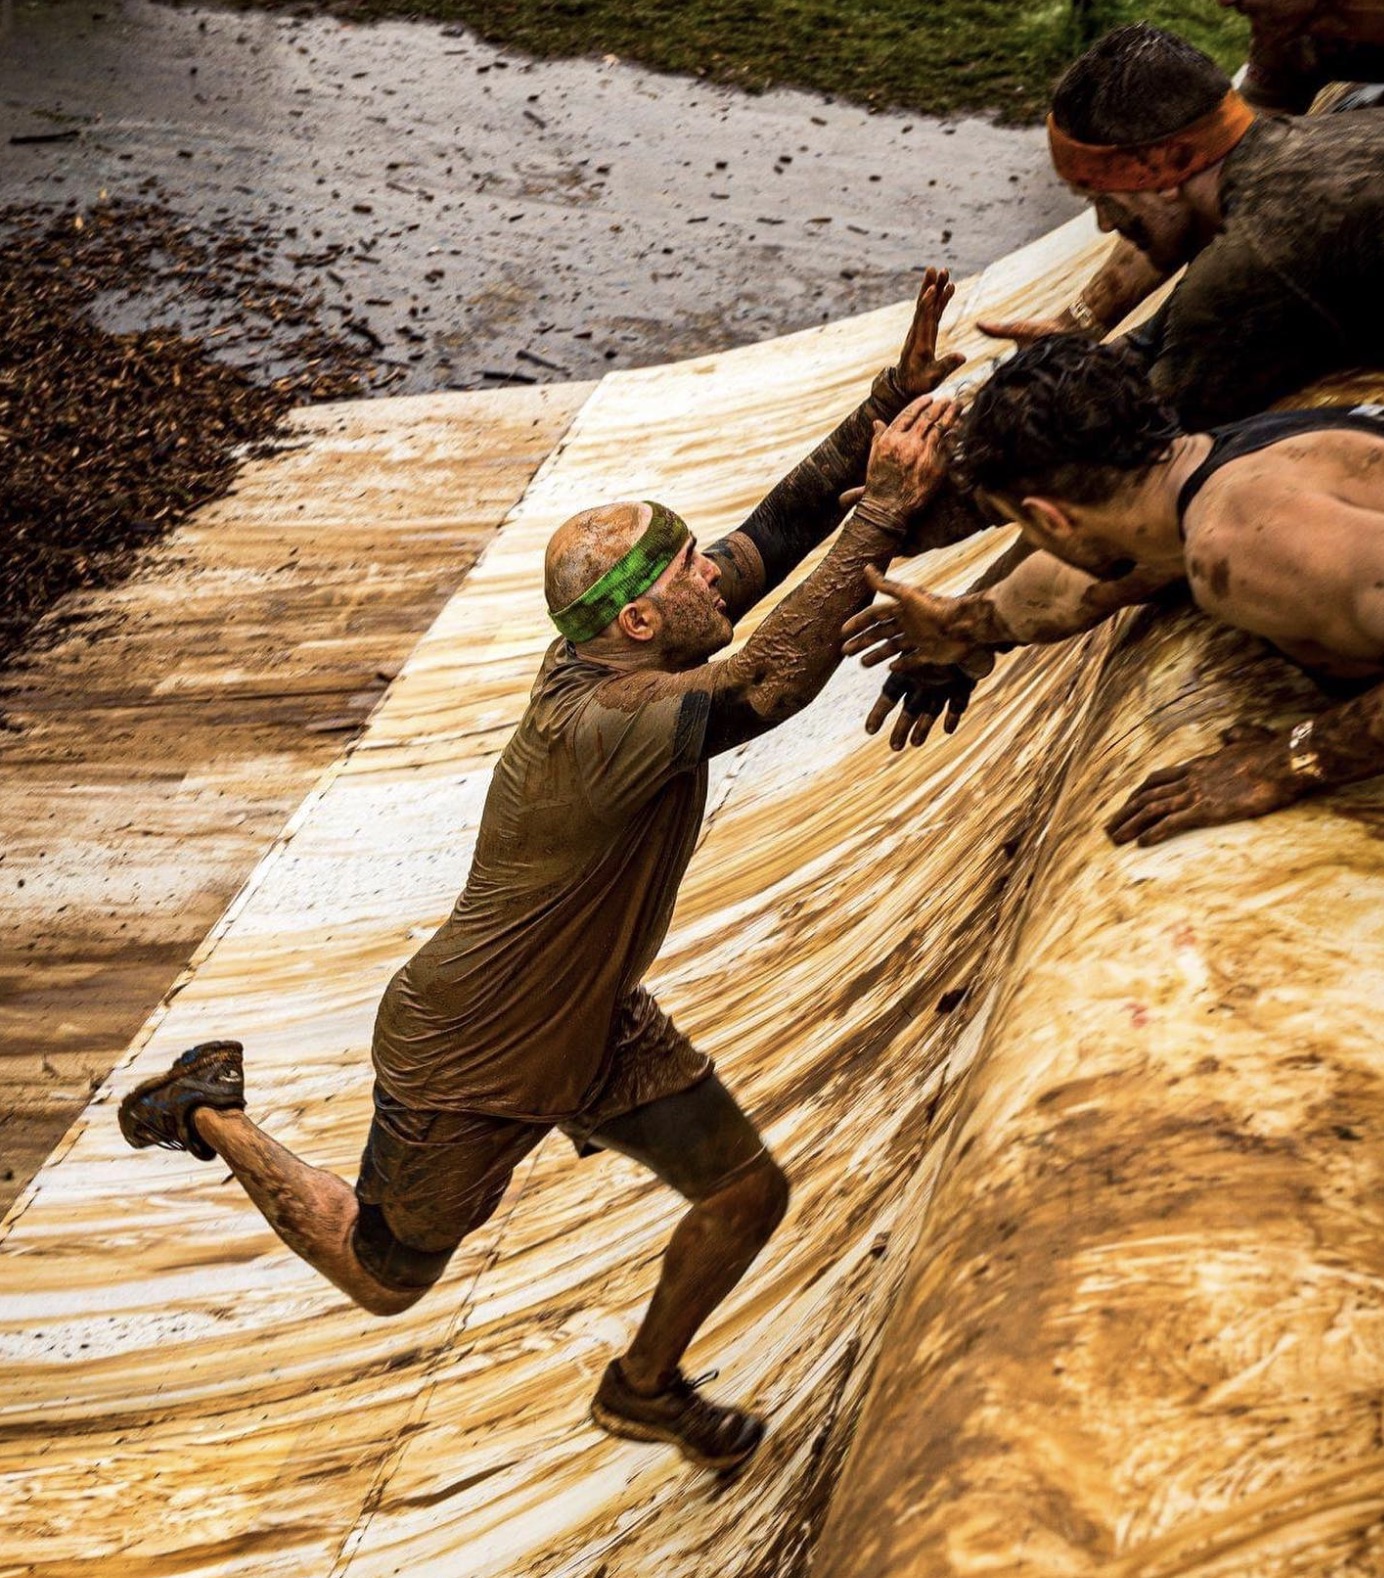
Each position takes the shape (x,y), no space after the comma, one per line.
(927,694)
(908,460)
(1112,292)
(918,628)
(1251,775)
(920,369)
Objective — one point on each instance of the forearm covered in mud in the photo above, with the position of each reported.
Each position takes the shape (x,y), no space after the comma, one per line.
(788,660)
(805,508)
(1043,600)
(1120,284)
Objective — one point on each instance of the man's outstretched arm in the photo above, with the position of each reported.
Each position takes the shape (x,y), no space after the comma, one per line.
(1041,601)
(805,508)
(1117,287)
(1256,771)
(788,660)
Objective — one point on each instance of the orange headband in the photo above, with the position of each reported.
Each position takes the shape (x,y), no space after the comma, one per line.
(1151,166)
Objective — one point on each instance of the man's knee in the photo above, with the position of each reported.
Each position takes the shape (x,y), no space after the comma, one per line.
(395,1274)
(758,1197)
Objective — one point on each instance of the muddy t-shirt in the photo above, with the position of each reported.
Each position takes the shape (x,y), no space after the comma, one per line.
(1290,289)
(591,818)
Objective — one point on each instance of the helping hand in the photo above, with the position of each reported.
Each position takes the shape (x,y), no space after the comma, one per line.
(927,693)
(1248,777)
(920,627)
(1027,331)
(920,369)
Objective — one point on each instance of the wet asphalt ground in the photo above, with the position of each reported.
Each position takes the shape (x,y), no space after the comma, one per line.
(483,219)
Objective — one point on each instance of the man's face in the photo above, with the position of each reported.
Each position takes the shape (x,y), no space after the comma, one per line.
(1049,524)
(693,623)
(1163,225)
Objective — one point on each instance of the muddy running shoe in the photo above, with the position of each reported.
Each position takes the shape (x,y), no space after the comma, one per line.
(708,1435)
(159,1112)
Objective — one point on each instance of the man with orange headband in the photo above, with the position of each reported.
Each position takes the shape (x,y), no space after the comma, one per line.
(1281,223)
(1298,47)
(526,1011)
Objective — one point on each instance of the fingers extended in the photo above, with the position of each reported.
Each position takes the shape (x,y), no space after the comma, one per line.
(912,415)
(866,620)
(1148,817)
(884,651)
(912,727)
(884,705)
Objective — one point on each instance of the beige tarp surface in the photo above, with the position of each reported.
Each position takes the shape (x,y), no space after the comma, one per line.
(1085,1142)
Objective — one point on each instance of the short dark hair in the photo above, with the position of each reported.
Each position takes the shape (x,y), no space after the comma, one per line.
(1135,85)
(1063,418)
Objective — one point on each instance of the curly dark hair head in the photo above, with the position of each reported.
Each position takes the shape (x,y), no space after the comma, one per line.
(1135,85)
(1063,419)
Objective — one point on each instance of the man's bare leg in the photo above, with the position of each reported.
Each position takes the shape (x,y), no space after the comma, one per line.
(313,1211)
(710,1251)
(703,1145)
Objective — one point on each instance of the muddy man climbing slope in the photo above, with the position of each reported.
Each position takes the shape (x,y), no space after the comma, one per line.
(1080,1274)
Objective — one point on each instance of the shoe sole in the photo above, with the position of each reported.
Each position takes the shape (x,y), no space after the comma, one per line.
(636,1430)
(170,1076)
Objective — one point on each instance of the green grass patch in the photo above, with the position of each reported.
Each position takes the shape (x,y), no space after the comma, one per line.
(939,57)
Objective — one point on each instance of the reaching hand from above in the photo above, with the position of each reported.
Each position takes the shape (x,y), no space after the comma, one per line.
(926,693)
(917,628)
(920,369)
(1027,331)
(1112,292)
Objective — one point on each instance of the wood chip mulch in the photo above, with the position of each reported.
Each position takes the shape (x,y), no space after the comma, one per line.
(110,436)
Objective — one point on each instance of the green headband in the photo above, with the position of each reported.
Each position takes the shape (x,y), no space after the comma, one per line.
(629,577)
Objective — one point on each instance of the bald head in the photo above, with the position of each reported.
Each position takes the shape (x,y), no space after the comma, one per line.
(583,548)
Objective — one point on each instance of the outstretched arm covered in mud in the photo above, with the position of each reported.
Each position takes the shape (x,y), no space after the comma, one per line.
(806,506)
(795,651)
(1041,601)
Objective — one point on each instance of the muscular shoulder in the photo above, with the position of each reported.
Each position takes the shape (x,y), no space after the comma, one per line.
(1307,206)
(1271,545)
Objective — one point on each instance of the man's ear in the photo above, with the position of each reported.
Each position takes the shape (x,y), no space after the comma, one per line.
(639,620)
(1049,516)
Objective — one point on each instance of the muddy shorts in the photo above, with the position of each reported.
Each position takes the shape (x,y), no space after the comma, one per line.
(428,1178)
